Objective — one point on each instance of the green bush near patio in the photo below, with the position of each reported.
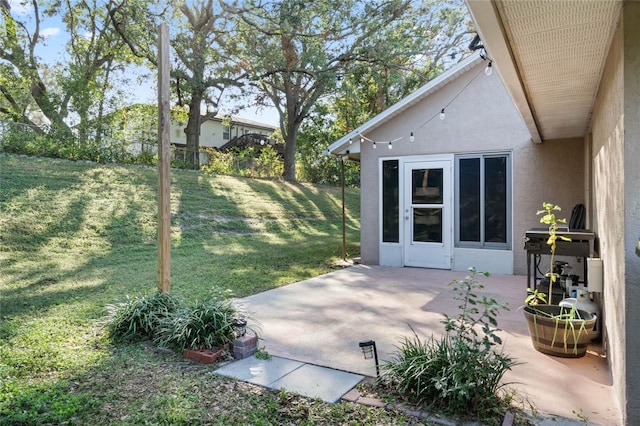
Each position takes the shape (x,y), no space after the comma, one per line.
(459,373)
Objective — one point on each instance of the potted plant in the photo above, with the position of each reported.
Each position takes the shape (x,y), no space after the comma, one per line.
(556,330)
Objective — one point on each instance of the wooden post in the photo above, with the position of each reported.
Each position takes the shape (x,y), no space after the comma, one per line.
(344,226)
(164,162)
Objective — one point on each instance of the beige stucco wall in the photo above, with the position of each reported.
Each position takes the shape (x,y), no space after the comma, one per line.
(482,118)
(615,155)
(632,206)
(608,203)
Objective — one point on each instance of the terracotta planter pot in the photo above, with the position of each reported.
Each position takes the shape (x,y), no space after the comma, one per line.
(557,336)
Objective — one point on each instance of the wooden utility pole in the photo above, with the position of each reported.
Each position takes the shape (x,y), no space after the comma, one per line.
(164,162)
(344,227)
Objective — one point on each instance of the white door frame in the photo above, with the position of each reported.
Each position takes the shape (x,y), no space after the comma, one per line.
(435,254)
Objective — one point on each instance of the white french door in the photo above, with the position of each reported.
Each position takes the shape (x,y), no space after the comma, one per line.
(427,214)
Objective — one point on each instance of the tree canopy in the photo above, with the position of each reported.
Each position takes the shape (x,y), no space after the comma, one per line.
(65,92)
(296,53)
(203,45)
(344,59)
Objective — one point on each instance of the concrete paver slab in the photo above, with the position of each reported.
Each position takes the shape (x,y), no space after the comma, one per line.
(318,382)
(305,379)
(261,372)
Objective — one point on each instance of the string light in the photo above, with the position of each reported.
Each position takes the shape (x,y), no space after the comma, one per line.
(489,69)
(374,144)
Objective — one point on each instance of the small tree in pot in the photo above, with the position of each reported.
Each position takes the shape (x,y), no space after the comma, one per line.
(556,330)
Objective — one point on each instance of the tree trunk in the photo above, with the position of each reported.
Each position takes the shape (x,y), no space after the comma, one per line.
(290,140)
(192,132)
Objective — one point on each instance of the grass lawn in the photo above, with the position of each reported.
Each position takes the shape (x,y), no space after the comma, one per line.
(75,237)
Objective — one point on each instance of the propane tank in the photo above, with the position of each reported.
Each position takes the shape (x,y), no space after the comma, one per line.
(584,303)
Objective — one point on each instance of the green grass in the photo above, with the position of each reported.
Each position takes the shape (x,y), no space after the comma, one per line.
(75,237)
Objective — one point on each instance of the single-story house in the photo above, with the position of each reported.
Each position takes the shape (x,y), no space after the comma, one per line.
(459,191)
(558,120)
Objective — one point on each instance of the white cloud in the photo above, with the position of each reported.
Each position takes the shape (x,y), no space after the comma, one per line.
(49,32)
(20,7)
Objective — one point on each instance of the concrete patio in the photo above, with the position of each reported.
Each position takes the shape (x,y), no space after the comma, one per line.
(321,321)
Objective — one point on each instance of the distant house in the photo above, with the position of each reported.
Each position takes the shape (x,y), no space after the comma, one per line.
(137,125)
(215,133)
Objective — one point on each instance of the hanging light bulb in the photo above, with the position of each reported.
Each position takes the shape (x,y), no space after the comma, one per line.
(350,141)
(412,138)
(374,145)
(390,145)
(489,70)
(361,140)
(442,114)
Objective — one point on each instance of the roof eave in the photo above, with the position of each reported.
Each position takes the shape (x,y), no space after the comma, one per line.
(490,29)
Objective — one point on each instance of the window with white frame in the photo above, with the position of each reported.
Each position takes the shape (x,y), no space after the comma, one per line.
(390,201)
(226,133)
(483,201)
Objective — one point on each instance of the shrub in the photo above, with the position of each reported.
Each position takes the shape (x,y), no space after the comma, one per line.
(207,324)
(460,372)
(219,162)
(140,317)
(247,162)
(143,158)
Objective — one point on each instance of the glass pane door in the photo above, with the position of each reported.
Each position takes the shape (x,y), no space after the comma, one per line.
(427,209)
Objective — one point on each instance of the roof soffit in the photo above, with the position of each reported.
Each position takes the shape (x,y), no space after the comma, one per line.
(551,55)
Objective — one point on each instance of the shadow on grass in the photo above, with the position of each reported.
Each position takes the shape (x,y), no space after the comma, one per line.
(100,245)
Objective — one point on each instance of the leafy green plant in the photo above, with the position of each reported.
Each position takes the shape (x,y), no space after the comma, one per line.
(140,317)
(535,297)
(261,353)
(207,324)
(459,372)
(549,219)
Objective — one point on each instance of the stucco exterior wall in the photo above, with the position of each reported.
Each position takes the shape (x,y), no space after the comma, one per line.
(616,205)
(631,16)
(481,118)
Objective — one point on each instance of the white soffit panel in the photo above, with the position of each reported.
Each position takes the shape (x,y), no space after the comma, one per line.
(559,48)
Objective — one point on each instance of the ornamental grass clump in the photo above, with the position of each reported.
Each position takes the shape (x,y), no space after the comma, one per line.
(205,325)
(170,323)
(460,372)
(138,318)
